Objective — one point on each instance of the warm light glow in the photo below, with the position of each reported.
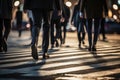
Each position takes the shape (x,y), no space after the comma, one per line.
(68,3)
(110,13)
(16,3)
(115,7)
(115,17)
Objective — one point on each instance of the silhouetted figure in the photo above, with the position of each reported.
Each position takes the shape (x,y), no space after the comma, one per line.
(94,11)
(19,21)
(102,26)
(5,22)
(102,29)
(79,23)
(41,10)
(65,16)
(55,27)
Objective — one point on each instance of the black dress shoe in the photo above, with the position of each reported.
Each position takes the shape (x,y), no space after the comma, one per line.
(34,52)
(4,45)
(52,46)
(93,48)
(45,55)
(83,42)
(79,46)
(89,49)
(57,44)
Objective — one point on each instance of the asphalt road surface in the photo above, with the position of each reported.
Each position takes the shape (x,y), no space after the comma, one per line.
(67,62)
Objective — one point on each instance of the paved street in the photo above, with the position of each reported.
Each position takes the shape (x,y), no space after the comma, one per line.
(65,63)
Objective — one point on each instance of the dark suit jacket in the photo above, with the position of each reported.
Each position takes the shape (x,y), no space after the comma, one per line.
(94,8)
(6,9)
(41,4)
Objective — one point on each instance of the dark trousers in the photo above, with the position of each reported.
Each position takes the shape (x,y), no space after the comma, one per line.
(19,27)
(64,25)
(5,25)
(55,24)
(102,30)
(81,30)
(38,16)
(93,40)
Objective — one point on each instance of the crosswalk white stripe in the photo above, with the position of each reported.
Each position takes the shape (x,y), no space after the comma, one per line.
(52,65)
(103,73)
(15,53)
(58,53)
(59,59)
(64,70)
(79,57)
(54,55)
(96,74)
(62,50)
(111,51)
(12,57)
(104,48)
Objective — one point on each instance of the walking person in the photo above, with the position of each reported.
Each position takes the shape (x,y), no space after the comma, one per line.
(41,10)
(55,27)
(94,11)
(102,26)
(65,16)
(79,23)
(102,29)
(19,21)
(5,22)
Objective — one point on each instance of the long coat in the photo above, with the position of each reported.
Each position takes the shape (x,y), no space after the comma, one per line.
(94,8)
(41,4)
(6,9)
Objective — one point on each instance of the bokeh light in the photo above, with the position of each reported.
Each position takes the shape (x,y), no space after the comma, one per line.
(68,3)
(16,3)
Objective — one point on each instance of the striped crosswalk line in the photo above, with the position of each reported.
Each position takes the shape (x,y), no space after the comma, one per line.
(71,62)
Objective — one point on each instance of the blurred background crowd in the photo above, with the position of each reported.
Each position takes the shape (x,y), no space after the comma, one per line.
(112,22)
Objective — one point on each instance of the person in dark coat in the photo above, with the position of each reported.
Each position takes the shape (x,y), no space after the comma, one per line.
(79,23)
(41,10)
(5,22)
(94,11)
(19,21)
(55,27)
(65,16)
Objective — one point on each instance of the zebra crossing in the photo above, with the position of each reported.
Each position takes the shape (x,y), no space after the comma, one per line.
(65,63)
